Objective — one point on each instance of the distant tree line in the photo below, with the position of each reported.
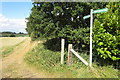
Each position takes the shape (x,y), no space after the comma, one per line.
(10,34)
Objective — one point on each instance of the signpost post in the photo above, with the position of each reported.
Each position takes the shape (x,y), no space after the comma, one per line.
(91,24)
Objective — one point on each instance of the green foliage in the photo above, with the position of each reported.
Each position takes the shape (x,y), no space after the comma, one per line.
(50,60)
(5,34)
(106,36)
(40,23)
(61,20)
(12,35)
(65,20)
(53,44)
(40,54)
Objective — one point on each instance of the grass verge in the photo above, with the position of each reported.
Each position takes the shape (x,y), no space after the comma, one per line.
(44,59)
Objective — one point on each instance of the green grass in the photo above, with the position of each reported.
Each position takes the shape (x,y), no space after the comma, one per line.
(48,60)
(7,50)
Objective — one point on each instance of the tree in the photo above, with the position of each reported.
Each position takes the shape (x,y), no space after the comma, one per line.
(40,23)
(106,32)
(12,35)
(61,20)
(20,33)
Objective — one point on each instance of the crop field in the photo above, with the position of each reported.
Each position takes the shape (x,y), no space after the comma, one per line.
(8,44)
(10,41)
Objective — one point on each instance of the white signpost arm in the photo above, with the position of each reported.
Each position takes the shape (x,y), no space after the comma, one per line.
(91,24)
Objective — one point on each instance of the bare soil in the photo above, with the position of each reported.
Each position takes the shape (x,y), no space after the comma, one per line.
(13,65)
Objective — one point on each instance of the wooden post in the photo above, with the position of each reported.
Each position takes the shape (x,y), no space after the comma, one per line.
(91,24)
(62,50)
(69,54)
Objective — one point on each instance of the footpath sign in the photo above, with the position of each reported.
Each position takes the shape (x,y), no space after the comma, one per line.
(91,23)
(100,10)
(96,11)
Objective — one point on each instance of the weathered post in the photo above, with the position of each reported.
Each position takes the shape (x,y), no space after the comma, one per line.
(62,50)
(91,24)
(69,54)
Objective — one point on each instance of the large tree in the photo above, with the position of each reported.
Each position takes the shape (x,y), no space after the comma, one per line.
(62,20)
(65,20)
(40,22)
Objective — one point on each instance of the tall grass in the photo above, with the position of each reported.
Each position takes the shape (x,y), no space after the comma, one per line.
(48,60)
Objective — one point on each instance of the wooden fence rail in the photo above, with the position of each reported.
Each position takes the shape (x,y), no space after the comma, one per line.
(85,62)
(70,51)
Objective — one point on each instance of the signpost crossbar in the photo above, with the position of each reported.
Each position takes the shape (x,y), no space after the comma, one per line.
(96,11)
(100,10)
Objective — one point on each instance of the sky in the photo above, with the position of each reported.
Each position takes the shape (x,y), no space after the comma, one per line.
(13,14)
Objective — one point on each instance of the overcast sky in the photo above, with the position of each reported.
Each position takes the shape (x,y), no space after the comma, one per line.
(13,14)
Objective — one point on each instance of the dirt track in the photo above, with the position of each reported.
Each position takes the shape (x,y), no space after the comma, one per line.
(13,66)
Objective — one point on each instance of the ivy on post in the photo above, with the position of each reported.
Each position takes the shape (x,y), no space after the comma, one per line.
(69,54)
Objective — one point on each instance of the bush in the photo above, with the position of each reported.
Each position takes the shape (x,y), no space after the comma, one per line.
(106,35)
(12,35)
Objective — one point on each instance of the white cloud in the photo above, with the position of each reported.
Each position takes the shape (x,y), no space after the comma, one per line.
(14,25)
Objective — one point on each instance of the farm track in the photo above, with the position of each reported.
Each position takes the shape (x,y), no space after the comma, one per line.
(13,65)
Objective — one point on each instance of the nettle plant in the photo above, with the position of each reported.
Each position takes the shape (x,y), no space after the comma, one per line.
(106,33)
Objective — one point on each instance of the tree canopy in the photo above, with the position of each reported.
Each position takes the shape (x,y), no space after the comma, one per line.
(65,20)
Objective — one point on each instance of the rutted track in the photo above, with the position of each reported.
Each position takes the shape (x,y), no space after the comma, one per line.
(13,66)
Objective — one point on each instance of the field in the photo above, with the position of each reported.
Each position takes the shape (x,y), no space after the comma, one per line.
(13,65)
(9,43)
(32,59)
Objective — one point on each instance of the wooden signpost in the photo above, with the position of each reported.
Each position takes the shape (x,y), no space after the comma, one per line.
(91,24)
(70,50)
